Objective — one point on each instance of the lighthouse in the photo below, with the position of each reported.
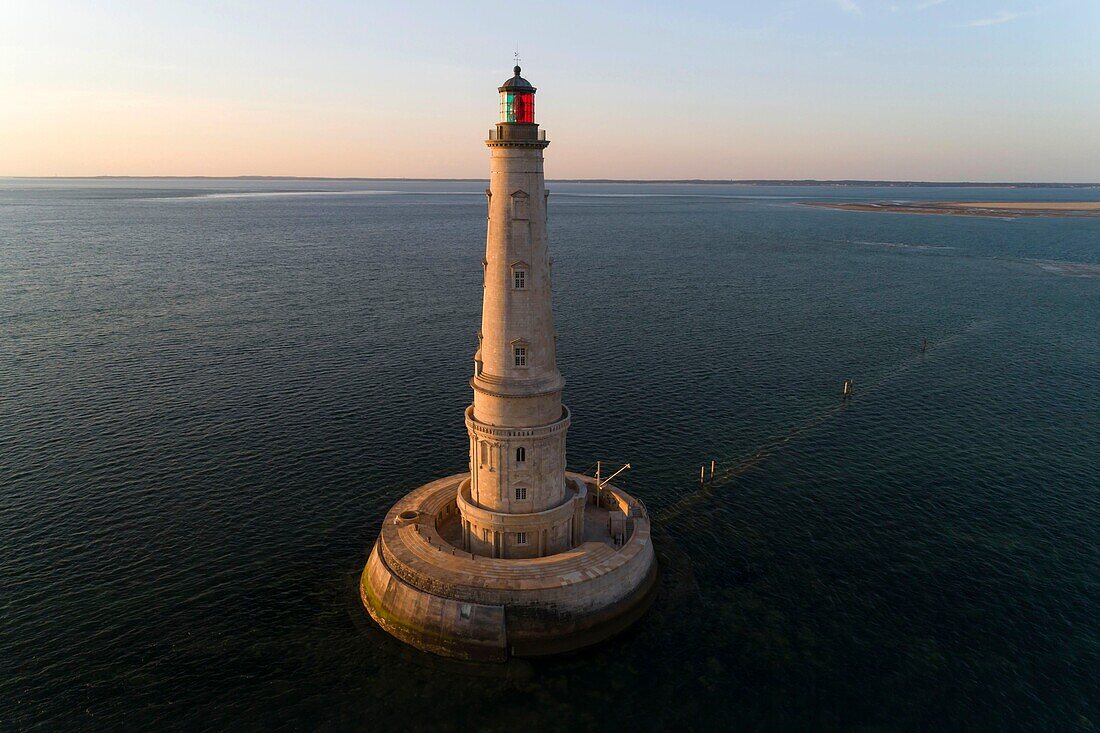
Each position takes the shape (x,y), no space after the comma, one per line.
(520,503)
(517,555)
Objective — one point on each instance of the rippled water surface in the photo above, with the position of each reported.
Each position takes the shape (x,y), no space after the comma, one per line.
(211,392)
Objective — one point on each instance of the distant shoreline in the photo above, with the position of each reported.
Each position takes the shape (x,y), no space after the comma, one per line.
(999,209)
(703,181)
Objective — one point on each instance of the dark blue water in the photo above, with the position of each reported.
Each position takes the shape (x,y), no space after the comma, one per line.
(209,398)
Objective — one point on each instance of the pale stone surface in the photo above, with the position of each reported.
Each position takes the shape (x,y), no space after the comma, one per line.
(417,582)
(514,556)
(517,411)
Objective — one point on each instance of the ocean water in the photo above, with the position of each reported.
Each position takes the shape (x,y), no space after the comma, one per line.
(211,392)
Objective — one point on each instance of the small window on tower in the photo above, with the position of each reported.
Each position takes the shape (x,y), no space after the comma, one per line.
(519,279)
(521,538)
(520,353)
(521,493)
(521,455)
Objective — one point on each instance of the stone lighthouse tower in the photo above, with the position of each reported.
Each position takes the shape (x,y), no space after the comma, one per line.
(520,504)
(517,555)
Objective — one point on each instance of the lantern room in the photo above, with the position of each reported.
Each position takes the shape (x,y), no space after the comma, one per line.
(517,100)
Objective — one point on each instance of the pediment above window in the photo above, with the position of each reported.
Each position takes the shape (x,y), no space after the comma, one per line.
(520,207)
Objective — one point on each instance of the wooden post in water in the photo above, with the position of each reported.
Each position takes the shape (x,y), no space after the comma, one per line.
(712,470)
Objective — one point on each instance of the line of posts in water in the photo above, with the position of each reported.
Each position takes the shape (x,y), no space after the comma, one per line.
(846,392)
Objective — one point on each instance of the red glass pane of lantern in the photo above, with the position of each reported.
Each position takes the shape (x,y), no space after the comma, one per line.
(523,108)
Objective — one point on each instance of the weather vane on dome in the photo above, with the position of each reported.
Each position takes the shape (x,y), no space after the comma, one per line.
(516,54)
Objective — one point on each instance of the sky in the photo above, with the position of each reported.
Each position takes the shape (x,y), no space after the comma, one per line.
(946,90)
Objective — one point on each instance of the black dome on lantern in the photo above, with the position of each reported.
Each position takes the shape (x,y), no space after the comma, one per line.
(516,84)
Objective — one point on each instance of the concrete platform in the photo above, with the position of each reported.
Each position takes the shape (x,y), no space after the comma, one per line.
(422,588)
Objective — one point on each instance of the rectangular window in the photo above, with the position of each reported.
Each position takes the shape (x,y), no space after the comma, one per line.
(519,279)
(521,493)
(521,356)
(521,538)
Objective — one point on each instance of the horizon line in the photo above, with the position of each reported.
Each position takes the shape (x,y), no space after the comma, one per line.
(741,181)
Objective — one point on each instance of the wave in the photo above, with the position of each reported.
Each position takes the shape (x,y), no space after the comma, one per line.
(904,245)
(1069,269)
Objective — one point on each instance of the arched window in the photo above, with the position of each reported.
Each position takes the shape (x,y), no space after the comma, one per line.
(521,455)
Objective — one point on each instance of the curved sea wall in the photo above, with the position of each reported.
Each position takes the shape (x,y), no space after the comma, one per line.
(438,598)
(430,622)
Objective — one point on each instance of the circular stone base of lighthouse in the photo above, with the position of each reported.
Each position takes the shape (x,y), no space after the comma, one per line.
(420,586)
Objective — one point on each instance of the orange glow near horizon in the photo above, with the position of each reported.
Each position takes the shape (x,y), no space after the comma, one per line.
(905,92)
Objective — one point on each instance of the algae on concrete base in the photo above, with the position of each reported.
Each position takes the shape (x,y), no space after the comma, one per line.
(429,594)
